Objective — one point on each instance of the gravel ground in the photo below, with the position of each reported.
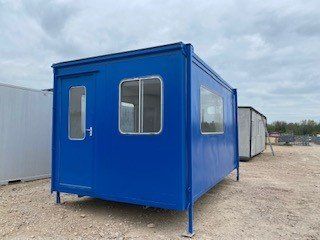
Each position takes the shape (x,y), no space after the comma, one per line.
(276,198)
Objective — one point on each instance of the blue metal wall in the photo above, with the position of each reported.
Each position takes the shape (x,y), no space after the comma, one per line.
(154,170)
(142,169)
(212,156)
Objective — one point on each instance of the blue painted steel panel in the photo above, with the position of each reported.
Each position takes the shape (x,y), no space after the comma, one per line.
(213,156)
(169,170)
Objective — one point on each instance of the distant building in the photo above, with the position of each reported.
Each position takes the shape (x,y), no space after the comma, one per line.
(252,132)
(25,126)
(274,137)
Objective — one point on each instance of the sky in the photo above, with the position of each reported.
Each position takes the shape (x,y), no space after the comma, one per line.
(268,50)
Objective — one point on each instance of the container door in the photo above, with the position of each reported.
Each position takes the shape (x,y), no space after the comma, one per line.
(77,132)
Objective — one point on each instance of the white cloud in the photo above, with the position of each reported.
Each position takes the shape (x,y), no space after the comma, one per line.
(269,50)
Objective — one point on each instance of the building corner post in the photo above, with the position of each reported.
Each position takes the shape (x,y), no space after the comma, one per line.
(53,145)
(190,230)
(236,133)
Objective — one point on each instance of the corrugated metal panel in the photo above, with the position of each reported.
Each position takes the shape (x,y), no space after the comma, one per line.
(244,132)
(258,138)
(25,139)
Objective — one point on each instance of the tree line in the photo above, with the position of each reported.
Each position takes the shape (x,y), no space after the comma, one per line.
(305,127)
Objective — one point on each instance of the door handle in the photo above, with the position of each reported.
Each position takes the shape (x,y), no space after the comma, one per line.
(90,131)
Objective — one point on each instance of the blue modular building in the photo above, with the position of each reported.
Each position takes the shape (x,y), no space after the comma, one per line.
(154,127)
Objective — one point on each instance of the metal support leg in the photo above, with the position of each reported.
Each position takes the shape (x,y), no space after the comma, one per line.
(190,218)
(190,232)
(58,200)
(238,173)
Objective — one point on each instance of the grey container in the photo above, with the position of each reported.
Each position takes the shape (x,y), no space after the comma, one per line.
(252,132)
(25,139)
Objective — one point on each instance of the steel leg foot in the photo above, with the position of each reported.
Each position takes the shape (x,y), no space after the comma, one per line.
(58,200)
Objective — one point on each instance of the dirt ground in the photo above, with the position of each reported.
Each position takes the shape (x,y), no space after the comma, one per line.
(276,198)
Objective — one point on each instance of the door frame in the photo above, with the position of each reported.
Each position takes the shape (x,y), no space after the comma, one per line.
(56,147)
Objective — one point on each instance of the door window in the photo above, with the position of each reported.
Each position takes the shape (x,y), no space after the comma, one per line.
(77,113)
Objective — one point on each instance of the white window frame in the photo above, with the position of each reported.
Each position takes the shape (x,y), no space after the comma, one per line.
(85,114)
(140,128)
(215,93)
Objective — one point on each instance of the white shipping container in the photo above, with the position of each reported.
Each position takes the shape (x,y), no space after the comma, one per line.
(252,132)
(25,139)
